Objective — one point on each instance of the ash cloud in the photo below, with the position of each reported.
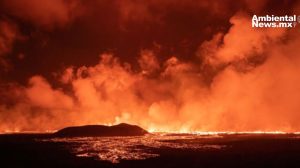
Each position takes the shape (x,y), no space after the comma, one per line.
(235,79)
(46,14)
(9,33)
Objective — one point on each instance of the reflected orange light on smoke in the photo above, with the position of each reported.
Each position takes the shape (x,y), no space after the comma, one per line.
(256,90)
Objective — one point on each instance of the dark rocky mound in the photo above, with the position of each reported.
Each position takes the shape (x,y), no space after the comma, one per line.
(101,130)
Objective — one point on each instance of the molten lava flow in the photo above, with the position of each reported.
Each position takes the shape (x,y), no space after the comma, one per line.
(115,149)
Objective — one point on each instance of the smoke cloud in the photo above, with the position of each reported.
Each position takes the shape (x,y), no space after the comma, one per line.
(241,79)
(8,35)
(47,14)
